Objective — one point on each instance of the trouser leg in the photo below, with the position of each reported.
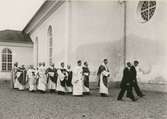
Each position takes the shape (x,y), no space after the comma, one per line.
(121,93)
(137,90)
(130,93)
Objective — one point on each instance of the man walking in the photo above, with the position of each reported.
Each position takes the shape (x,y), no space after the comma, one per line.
(134,78)
(61,80)
(86,74)
(103,74)
(52,78)
(126,83)
(77,80)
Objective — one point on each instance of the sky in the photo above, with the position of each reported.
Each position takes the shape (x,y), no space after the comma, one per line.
(15,14)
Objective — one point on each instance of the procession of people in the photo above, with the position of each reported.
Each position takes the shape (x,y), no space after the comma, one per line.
(64,80)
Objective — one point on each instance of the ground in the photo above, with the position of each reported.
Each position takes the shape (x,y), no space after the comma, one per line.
(25,105)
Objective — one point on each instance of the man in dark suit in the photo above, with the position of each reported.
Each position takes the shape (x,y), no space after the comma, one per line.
(134,78)
(126,83)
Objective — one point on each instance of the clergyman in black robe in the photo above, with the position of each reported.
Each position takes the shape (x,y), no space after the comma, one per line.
(52,78)
(86,74)
(69,80)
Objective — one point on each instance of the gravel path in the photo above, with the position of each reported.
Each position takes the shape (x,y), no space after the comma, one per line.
(25,105)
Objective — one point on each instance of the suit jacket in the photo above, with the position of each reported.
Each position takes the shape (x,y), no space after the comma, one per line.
(134,73)
(127,78)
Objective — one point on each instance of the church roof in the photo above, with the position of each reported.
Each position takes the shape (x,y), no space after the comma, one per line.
(47,8)
(14,36)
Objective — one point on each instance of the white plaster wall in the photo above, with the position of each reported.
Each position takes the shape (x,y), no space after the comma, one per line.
(22,55)
(57,21)
(94,31)
(146,42)
(97,33)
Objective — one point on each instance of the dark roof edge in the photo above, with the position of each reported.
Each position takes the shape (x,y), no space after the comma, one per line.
(51,8)
(7,41)
(26,26)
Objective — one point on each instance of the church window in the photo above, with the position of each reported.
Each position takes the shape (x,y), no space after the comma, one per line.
(6,59)
(147,9)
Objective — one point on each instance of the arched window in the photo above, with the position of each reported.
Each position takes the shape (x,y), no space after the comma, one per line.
(6,59)
(50,40)
(36,49)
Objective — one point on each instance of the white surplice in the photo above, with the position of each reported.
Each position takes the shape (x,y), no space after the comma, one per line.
(51,84)
(31,75)
(17,84)
(60,78)
(104,76)
(77,81)
(42,82)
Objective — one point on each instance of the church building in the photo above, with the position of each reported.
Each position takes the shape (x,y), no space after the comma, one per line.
(15,46)
(91,30)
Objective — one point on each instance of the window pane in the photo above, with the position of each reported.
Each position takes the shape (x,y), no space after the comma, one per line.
(151,12)
(9,66)
(3,66)
(9,58)
(144,6)
(145,15)
(4,58)
(152,3)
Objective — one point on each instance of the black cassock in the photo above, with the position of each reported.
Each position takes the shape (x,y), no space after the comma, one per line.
(69,79)
(86,77)
(63,82)
(54,77)
(22,77)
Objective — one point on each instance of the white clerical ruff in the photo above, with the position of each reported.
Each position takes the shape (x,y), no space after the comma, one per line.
(51,74)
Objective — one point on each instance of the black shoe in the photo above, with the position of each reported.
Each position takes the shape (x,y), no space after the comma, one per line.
(134,99)
(104,95)
(142,95)
(86,93)
(120,99)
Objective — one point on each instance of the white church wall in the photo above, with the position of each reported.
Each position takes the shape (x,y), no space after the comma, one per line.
(146,42)
(57,21)
(97,33)
(22,55)
(91,30)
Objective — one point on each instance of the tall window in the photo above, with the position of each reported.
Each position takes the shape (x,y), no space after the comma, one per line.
(148,9)
(50,40)
(6,59)
(36,48)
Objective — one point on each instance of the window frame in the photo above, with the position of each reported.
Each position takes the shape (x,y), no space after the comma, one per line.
(147,10)
(6,60)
